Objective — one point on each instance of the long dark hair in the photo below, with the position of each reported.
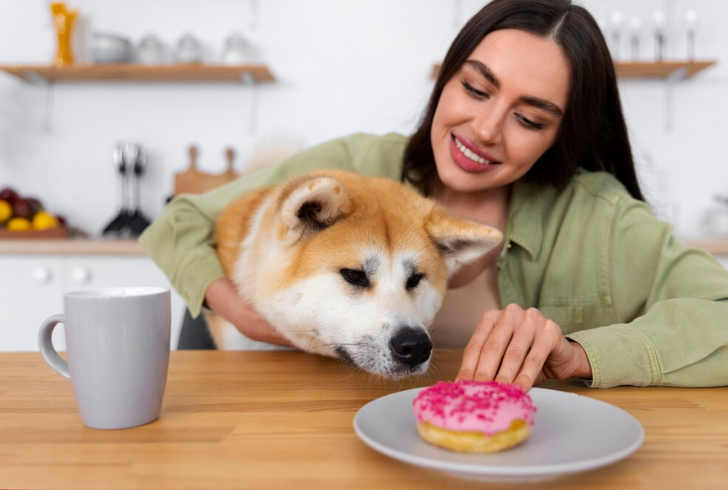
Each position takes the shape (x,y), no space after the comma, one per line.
(593,134)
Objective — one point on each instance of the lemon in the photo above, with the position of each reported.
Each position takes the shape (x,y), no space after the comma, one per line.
(18,224)
(6,211)
(44,221)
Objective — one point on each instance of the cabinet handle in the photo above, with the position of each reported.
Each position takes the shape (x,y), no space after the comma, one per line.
(42,275)
(81,275)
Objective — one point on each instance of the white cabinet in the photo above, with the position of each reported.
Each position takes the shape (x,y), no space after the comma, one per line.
(32,288)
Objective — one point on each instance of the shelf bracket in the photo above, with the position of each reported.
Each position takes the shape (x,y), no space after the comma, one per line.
(671,82)
(47,86)
(254,12)
(249,81)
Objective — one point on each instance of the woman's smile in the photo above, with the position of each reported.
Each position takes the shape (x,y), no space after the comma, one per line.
(469,158)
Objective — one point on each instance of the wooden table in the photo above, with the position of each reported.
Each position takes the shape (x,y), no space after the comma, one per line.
(284,420)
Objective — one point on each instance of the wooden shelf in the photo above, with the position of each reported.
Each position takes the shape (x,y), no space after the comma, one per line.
(140,73)
(663,70)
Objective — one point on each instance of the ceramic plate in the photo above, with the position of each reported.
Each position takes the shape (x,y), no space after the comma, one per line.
(572,433)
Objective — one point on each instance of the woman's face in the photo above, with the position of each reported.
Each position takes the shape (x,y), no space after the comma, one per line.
(500,112)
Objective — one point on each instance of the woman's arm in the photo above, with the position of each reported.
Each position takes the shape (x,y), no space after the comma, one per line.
(181,239)
(223,298)
(673,302)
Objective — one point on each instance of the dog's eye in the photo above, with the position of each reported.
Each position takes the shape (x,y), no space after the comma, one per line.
(356,277)
(413,281)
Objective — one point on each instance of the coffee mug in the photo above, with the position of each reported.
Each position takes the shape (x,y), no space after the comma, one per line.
(117,343)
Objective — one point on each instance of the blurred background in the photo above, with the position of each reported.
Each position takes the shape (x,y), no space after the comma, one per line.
(89,144)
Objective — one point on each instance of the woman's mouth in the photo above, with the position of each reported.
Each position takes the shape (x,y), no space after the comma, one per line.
(469,160)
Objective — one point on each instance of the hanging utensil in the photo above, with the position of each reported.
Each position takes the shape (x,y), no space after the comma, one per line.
(117,224)
(138,222)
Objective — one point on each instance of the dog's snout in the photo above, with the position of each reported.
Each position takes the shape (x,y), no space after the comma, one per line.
(411,346)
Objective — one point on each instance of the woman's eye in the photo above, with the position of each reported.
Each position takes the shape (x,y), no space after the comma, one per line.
(528,124)
(478,94)
(413,281)
(355,277)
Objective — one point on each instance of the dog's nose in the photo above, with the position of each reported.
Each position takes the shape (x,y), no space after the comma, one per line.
(411,346)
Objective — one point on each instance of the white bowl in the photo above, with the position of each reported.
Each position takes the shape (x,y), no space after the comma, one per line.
(110,48)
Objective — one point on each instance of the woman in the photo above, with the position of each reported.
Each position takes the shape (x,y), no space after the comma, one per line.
(524,131)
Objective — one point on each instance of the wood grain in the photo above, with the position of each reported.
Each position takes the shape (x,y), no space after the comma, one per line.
(80,246)
(284,420)
(129,72)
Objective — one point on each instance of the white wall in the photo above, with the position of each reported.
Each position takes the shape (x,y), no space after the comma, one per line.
(359,65)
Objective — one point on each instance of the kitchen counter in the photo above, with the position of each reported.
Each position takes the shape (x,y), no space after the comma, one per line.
(715,246)
(81,246)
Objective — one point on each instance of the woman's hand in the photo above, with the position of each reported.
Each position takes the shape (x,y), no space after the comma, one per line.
(521,347)
(224,300)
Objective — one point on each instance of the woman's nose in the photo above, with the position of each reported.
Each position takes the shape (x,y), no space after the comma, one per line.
(488,126)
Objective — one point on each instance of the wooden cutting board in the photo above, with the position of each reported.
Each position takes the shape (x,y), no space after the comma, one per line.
(193,181)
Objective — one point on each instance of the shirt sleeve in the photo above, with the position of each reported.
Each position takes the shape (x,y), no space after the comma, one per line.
(673,300)
(181,240)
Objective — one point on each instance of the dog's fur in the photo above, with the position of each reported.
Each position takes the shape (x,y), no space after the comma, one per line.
(290,249)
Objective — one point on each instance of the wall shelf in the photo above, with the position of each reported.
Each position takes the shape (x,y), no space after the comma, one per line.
(127,72)
(662,70)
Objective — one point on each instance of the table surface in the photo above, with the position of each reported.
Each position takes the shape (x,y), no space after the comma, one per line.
(284,420)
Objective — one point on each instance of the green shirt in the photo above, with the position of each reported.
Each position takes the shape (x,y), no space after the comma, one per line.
(647,309)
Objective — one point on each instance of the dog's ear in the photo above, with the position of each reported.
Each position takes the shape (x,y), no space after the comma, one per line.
(312,204)
(460,240)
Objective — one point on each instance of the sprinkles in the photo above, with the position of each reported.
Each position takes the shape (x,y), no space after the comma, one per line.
(473,406)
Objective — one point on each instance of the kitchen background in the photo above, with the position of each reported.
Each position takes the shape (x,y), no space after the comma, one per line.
(339,67)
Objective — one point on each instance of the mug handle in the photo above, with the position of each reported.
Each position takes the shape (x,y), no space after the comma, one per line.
(45,343)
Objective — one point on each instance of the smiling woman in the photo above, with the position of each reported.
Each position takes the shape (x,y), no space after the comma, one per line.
(524,132)
(499,113)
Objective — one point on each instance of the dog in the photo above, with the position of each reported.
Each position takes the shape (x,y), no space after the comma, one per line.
(345,266)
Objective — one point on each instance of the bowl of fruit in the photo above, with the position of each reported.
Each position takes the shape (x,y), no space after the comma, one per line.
(25,218)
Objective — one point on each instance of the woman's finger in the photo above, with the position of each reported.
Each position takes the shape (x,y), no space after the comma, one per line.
(546,337)
(471,353)
(491,354)
(519,346)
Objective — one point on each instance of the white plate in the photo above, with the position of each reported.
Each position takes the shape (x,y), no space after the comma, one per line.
(572,433)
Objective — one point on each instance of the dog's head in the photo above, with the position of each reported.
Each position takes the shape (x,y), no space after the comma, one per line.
(357,267)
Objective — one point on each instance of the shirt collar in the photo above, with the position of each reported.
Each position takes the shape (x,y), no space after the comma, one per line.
(525,216)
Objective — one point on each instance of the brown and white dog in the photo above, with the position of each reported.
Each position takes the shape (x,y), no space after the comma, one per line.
(345,266)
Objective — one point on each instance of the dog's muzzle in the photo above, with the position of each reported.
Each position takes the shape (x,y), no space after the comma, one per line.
(410,346)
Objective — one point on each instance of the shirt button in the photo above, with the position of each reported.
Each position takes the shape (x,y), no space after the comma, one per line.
(509,245)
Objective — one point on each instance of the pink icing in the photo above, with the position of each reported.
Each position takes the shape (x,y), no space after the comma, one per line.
(473,406)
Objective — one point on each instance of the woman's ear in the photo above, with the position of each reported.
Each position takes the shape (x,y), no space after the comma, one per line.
(459,240)
(311,204)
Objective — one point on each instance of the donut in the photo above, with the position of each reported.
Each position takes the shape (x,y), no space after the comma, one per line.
(474,416)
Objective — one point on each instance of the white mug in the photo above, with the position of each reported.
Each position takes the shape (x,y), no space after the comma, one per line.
(118,343)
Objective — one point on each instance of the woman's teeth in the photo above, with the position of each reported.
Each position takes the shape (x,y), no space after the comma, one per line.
(472,156)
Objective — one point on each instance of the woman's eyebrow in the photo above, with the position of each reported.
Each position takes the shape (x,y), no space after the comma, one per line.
(542,104)
(485,71)
(536,102)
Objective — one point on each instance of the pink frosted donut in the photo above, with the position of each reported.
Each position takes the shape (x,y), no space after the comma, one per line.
(474,416)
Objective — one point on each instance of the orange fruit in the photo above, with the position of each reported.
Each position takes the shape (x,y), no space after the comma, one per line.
(19,224)
(6,211)
(44,221)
